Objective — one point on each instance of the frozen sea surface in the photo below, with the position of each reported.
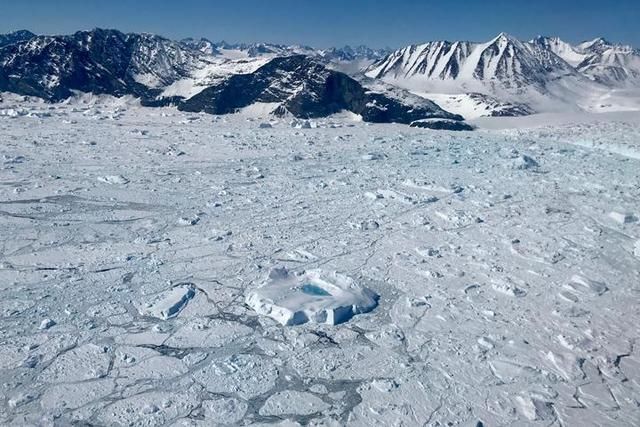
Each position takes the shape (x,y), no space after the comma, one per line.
(507,264)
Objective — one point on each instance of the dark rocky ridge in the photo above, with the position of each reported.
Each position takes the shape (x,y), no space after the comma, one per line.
(306,89)
(15,37)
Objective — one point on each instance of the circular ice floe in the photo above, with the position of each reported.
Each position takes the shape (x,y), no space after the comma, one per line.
(313,296)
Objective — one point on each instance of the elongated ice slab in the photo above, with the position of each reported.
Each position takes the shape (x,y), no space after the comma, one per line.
(169,303)
(314,296)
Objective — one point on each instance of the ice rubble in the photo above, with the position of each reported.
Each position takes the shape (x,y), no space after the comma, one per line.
(313,296)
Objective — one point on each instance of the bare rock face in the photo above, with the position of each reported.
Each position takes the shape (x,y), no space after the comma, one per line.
(441,124)
(313,296)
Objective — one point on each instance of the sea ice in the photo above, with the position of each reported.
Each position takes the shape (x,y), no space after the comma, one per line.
(168,304)
(225,410)
(313,296)
(513,289)
(290,402)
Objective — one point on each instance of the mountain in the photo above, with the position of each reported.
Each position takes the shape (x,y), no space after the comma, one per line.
(247,50)
(610,64)
(604,62)
(503,60)
(305,88)
(506,76)
(160,72)
(15,37)
(571,54)
(203,45)
(99,61)
(359,54)
(501,77)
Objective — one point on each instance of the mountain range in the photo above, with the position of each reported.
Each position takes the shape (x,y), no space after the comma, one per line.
(440,79)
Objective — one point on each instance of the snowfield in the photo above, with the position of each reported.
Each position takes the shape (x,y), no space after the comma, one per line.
(506,261)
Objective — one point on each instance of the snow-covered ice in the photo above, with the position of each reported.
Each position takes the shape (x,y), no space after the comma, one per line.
(313,296)
(168,303)
(133,239)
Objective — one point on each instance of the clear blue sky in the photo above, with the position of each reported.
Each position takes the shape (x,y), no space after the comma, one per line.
(324,23)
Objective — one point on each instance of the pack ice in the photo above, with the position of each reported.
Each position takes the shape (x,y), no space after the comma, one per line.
(149,258)
(313,296)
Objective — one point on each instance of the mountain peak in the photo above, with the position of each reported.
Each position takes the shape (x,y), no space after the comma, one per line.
(21,33)
(541,39)
(599,42)
(15,37)
(506,37)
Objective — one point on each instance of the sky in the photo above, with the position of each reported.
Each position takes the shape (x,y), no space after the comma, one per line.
(325,23)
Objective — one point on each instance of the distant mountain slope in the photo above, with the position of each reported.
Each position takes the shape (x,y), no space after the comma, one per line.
(255,50)
(504,76)
(610,64)
(160,71)
(504,59)
(604,62)
(15,37)
(246,50)
(515,77)
(99,61)
(572,55)
(306,88)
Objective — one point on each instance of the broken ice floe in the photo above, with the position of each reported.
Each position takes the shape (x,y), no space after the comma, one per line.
(46,324)
(622,217)
(291,402)
(113,179)
(187,221)
(524,162)
(169,303)
(584,285)
(313,296)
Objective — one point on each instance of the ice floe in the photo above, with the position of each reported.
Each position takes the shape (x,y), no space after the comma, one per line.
(167,304)
(312,296)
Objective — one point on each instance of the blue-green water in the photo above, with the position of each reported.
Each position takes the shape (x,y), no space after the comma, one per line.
(311,289)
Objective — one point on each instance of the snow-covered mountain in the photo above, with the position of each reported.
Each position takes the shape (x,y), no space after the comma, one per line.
(15,37)
(247,50)
(357,54)
(607,63)
(303,87)
(504,76)
(197,76)
(100,61)
(504,59)
(571,54)
(544,74)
